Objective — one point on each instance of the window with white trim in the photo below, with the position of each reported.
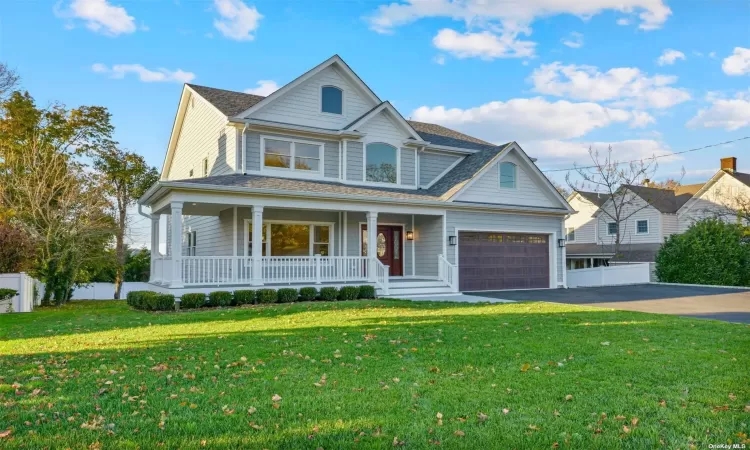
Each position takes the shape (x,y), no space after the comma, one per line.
(508,175)
(641,226)
(331,100)
(570,234)
(381,163)
(192,241)
(612,228)
(293,155)
(292,239)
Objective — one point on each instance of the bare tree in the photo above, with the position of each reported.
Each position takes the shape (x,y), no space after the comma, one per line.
(8,80)
(617,181)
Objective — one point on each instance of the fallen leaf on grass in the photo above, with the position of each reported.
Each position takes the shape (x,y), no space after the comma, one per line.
(533,427)
(525,367)
(506,410)
(481,417)
(255,426)
(732,397)
(634,421)
(568,398)
(276,398)
(620,417)
(5,434)
(397,443)
(251,410)
(625,429)
(605,343)
(459,433)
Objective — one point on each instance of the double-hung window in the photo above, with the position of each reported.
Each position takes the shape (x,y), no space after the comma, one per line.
(641,226)
(570,234)
(292,239)
(612,228)
(294,155)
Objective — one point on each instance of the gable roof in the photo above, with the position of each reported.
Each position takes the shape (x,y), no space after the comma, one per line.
(466,170)
(743,178)
(384,106)
(664,200)
(596,198)
(229,103)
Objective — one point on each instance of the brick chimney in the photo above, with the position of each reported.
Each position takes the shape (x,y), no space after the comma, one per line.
(729,164)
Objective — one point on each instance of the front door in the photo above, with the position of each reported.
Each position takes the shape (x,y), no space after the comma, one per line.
(389,247)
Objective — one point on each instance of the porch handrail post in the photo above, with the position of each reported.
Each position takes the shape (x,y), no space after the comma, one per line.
(176,245)
(257,221)
(155,278)
(317,262)
(372,236)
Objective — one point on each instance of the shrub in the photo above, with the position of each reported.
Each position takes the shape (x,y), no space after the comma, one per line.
(348,293)
(267,296)
(7,294)
(136,299)
(194,300)
(287,295)
(245,297)
(366,291)
(160,302)
(709,252)
(220,298)
(308,294)
(328,294)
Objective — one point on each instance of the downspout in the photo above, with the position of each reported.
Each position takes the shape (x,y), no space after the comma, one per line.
(140,211)
(244,150)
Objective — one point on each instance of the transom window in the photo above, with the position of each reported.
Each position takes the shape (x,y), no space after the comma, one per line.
(570,234)
(381,163)
(641,226)
(508,175)
(292,155)
(331,100)
(292,239)
(612,228)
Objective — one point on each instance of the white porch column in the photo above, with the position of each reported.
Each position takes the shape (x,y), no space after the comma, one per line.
(372,245)
(154,246)
(176,245)
(257,222)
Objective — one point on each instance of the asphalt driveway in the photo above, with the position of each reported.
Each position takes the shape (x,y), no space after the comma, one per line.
(729,305)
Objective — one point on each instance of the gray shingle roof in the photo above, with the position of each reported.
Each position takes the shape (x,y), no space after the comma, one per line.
(465,171)
(628,252)
(230,103)
(741,177)
(440,135)
(596,198)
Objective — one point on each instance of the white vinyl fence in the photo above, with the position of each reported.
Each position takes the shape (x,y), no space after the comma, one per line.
(106,291)
(610,276)
(24,285)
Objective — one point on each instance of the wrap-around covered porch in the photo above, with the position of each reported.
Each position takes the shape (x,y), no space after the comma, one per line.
(211,244)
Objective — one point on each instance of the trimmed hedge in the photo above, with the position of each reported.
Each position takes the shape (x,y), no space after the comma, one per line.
(220,298)
(287,295)
(245,297)
(348,293)
(329,294)
(194,300)
(150,301)
(367,291)
(308,294)
(267,296)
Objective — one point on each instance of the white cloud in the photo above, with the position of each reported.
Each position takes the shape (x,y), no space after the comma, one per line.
(99,16)
(574,40)
(492,27)
(265,88)
(440,59)
(145,75)
(738,63)
(551,152)
(238,21)
(623,21)
(669,57)
(641,119)
(526,119)
(485,45)
(730,114)
(628,86)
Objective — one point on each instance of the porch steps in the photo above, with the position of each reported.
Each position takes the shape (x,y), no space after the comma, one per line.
(404,288)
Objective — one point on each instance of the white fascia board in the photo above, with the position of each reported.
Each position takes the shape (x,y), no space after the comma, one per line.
(449,149)
(182,186)
(386,106)
(265,125)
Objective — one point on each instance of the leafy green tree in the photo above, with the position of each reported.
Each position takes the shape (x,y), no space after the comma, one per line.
(16,248)
(709,252)
(45,185)
(126,177)
(138,265)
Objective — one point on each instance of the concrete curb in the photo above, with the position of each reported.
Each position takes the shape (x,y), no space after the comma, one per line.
(744,288)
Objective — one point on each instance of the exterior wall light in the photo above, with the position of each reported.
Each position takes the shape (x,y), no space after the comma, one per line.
(409,235)
(452,240)
(561,243)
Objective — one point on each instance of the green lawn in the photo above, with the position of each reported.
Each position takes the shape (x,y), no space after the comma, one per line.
(371,374)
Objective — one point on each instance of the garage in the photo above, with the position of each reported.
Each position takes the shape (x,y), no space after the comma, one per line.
(495,261)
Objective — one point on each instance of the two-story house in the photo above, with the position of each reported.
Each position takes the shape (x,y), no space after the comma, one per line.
(322,182)
(649,216)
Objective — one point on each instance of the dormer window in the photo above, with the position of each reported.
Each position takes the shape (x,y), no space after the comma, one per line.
(508,175)
(332,100)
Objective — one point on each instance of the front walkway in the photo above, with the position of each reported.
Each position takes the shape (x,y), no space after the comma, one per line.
(704,302)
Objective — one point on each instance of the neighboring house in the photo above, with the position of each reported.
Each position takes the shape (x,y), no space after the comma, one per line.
(322,182)
(651,215)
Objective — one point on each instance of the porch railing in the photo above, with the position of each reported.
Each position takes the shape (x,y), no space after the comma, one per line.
(227,270)
(448,273)
(381,275)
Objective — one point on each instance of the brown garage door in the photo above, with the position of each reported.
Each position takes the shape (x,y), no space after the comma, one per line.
(488,261)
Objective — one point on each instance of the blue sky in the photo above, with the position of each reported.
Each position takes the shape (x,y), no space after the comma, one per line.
(555,80)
